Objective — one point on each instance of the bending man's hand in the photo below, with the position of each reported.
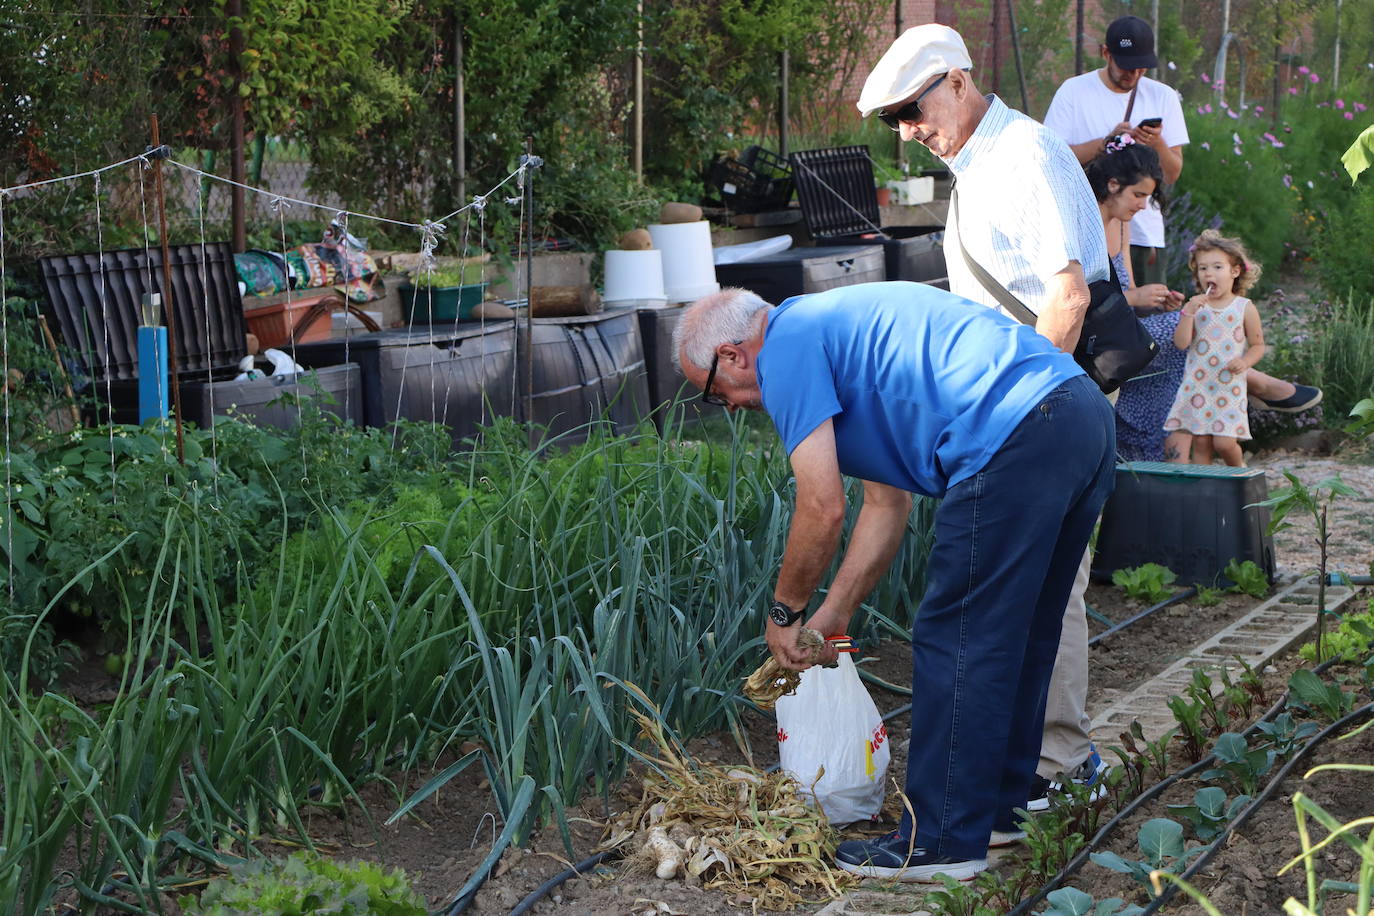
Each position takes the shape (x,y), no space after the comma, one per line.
(782,642)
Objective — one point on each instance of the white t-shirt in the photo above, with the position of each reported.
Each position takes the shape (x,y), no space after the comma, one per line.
(1084,109)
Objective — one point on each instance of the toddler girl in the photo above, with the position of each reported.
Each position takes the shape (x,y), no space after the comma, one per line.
(1221,331)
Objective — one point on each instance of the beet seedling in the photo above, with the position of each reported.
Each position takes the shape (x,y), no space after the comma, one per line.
(1191,733)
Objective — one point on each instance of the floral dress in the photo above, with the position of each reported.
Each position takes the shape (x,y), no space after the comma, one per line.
(1144,401)
(1211,401)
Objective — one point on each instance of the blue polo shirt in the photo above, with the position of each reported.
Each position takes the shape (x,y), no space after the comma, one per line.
(923,386)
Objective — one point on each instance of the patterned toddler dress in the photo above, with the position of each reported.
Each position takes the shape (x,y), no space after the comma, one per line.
(1211,401)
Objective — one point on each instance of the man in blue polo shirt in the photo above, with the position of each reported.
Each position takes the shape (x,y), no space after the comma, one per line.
(915,390)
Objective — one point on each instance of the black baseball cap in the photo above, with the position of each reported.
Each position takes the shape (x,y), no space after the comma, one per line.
(1131,43)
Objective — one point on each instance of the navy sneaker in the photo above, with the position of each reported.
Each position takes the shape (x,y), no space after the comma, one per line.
(1091,773)
(895,858)
(1302,398)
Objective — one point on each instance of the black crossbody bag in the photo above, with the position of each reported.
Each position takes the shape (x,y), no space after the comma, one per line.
(1113,346)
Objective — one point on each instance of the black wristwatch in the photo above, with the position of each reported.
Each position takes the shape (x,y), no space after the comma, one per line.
(783,615)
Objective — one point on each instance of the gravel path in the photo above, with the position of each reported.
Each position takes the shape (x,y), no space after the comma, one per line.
(1350,519)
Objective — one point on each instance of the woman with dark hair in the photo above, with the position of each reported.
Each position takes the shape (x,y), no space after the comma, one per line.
(1124,178)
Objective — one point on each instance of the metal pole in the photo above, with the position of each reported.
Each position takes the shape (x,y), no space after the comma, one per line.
(639,96)
(1016,49)
(460,119)
(1336,63)
(782,105)
(1078,41)
(158,154)
(996,87)
(239,231)
(1154,27)
(899,26)
(529,285)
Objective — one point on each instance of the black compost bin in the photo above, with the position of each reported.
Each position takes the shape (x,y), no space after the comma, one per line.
(460,375)
(94,299)
(671,397)
(584,367)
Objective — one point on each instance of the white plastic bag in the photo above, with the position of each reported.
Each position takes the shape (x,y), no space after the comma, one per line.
(832,722)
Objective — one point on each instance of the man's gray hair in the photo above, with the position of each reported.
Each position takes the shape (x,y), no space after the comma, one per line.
(724,317)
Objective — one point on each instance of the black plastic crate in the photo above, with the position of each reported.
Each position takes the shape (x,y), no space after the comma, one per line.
(1193,519)
(461,376)
(583,367)
(94,299)
(839,203)
(758,180)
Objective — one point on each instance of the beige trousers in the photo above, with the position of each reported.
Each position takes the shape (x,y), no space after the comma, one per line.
(1066,742)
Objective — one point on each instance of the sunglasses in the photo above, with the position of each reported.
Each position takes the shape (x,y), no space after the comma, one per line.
(911,111)
(707,396)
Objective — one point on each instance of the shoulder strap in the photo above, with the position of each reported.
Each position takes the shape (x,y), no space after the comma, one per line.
(999,292)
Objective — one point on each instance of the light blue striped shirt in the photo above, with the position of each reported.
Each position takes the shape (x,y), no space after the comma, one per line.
(1025,210)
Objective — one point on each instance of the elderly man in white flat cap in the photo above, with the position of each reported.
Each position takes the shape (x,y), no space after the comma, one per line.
(1025,213)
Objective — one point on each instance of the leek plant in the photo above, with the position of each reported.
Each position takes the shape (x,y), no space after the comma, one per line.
(524,603)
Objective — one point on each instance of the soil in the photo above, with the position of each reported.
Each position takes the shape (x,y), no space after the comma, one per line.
(1243,875)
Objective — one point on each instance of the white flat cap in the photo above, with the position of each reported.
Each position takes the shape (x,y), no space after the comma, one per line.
(917,55)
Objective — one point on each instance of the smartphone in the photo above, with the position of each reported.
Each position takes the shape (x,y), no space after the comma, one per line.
(1151,122)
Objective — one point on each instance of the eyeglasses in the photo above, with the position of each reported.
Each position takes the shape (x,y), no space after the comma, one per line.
(707,396)
(911,111)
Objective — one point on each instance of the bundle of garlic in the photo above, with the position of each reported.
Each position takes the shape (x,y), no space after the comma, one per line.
(735,829)
(771,680)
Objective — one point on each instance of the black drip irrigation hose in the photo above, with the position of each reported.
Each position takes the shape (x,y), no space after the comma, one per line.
(543,890)
(460,904)
(1273,786)
(1081,857)
(1117,628)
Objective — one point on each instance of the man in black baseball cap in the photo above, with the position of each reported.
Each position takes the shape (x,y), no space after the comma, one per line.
(1131,44)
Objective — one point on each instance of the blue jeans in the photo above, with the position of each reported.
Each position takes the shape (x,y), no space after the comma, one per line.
(1008,541)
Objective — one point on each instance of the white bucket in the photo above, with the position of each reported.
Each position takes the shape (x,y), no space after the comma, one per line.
(634,279)
(688,270)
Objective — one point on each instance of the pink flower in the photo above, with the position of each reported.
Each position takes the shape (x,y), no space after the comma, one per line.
(1232,114)
(1288,181)
(1349,116)
(1206,78)
(1238,151)
(1360,106)
(1201,110)
(1340,103)
(1304,70)
(1313,78)
(1259,109)
(1207,109)
(1235,138)
(1270,137)
(1292,90)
